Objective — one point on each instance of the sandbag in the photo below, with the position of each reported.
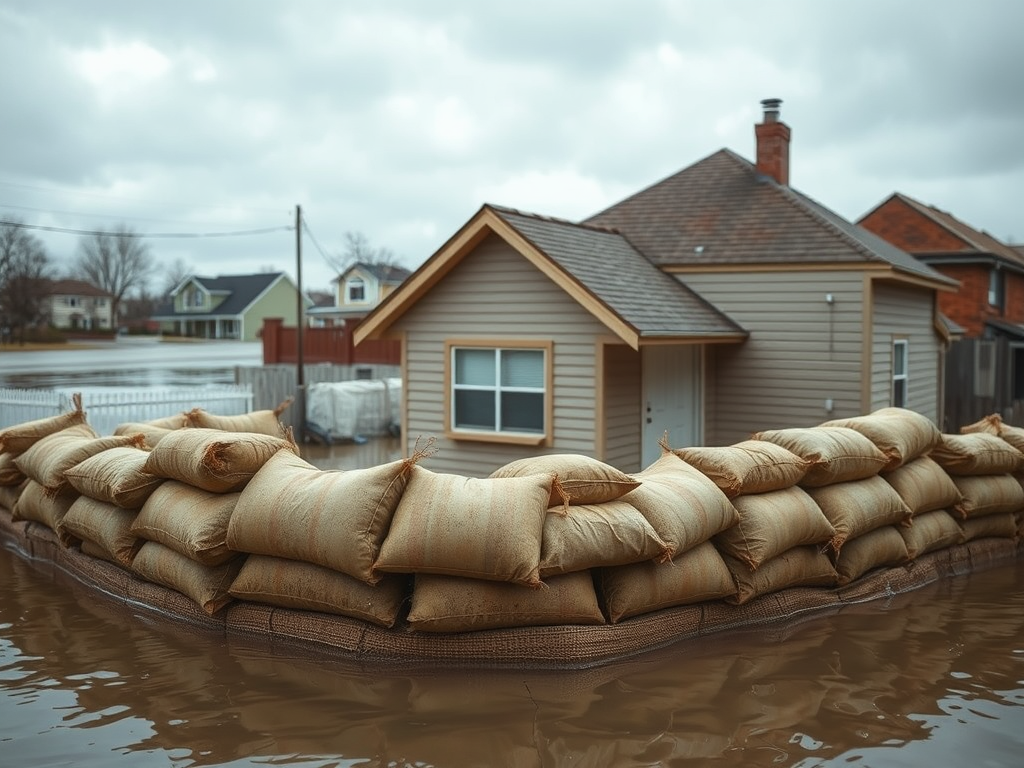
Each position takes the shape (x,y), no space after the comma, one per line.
(9,472)
(457,526)
(697,575)
(452,604)
(1002,525)
(772,523)
(95,550)
(19,438)
(9,494)
(924,486)
(189,520)
(988,495)
(592,535)
(977,453)
(859,506)
(580,479)
(305,586)
(206,585)
(104,524)
(835,454)
(35,503)
(901,434)
(265,422)
(929,532)
(682,504)
(115,475)
(994,425)
(333,518)
(151,434)
(751,466)
(211,459)
(877,548)
(51,456)
(804,566)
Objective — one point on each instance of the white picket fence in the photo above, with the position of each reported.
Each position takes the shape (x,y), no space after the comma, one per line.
(106,408)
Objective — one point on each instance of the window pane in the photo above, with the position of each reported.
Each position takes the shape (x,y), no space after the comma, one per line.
(899,359)
(474,409)
(474,367)
(522,411)
(899,393)
(522,368)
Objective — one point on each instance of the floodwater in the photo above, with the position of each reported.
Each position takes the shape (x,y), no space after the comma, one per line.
(933,677)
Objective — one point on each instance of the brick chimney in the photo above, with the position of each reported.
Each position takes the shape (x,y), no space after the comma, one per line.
(773,143)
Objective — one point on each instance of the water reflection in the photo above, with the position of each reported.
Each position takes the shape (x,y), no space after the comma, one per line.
(86,681)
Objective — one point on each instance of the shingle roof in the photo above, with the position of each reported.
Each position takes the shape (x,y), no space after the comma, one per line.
(242,290)
(75,288)
(720,211)
(610,268)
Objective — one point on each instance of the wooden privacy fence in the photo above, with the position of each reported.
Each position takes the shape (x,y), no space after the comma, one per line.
(107,408)
(984,376)
(324,345)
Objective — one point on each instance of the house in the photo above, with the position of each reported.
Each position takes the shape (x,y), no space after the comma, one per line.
(78,305)
(712,304)
(229,306)
(358,289)
(987,368)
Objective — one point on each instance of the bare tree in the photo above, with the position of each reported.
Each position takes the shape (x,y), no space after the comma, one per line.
(359,250)
(174,274)
(25,273)
(116,261)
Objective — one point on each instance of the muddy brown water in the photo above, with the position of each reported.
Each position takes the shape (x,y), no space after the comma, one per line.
(933,677)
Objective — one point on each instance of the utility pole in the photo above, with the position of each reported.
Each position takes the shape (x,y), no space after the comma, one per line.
(300,315)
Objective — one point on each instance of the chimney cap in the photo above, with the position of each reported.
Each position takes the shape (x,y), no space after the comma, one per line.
(771,109)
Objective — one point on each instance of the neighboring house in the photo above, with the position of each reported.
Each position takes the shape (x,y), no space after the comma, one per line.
(358,289)
(78,305)
(715,303)
(229,306)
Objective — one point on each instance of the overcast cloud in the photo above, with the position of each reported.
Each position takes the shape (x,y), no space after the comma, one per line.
(400,119)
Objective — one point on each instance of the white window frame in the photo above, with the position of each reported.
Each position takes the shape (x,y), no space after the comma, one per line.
(498,434)
(350,285)
(996,287)
(900,392)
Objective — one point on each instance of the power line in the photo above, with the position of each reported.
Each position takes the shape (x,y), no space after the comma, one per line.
(327,259)
(70,231)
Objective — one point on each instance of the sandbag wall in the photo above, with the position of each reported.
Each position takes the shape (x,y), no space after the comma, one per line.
(221,515)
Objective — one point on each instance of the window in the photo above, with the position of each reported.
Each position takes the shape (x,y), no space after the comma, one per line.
(1017,371)
(899,372)
(499,392)
(356,289)
(995,287)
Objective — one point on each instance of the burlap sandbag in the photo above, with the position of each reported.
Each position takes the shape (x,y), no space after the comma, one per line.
(593,535)
(151,434)
(874,549)
(309,587)
(989,424)
(682,504)
(9,472)
(51,456)
(988,495)
(189,520)
(697,575)
(9,494)
(452,604)
(35,503)
(479,529)
(580,479)
(174,421)
(1013,435)
(929,532)
(805,566)
(20,437)
(977,453)
(337,519)
(265,422)
(104,524)
(835,454)
(115,475)
(772,523)
(751,466)
(212,459)
(859,506)
(901,434)
(95,550)
(924,486)
(1002,526)
(206,585)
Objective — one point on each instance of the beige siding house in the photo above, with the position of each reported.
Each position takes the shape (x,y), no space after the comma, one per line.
(713,304)
(78,305)
(358,289)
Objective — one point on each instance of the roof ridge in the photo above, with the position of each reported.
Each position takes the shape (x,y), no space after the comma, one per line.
(553,219)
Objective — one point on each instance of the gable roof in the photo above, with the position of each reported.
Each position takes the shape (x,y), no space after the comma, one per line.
(976,242)
(720,212)
(389,274)
(76,288)
(599,268)
(241,291)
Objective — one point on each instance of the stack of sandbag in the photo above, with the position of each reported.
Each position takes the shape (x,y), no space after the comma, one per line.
(153,429)
(313,537)
(184,521)
(994,425)
(17,439)
(780,537)
(907,438)
(985,469)
(843,480)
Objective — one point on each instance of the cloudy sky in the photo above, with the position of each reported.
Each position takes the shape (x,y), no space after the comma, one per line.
(399,119)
